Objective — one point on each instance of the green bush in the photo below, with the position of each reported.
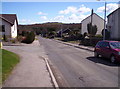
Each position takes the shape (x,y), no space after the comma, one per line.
(19,38)
(98,36)
(91,42)
(92,29)
(13,40)
(30,37)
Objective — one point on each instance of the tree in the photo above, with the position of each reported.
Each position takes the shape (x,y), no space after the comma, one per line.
(91,30)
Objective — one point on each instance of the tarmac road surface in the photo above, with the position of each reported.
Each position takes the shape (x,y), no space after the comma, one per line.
(78,67)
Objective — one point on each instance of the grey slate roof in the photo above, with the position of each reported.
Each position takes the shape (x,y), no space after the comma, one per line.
(9,18)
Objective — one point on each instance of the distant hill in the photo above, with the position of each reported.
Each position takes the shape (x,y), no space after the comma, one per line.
(46,27)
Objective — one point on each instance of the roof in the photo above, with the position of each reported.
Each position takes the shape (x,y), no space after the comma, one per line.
(113,11)
(64,30)
(9,18)
(90,15)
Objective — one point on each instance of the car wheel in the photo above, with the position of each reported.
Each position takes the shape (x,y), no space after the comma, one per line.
(96,54)
(112,59)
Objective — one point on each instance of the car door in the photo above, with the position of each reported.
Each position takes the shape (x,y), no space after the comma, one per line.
(106,49)
(98,48)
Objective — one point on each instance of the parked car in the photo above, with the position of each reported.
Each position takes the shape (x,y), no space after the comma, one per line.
(108,49)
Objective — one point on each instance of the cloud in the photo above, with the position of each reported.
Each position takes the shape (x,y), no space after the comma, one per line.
(75,10)
(109,8)
(83,9)
(59,17)
(43,17)
(76,18)
(73,14)
(26,21)
(73,18)
(70,9)
(41,13)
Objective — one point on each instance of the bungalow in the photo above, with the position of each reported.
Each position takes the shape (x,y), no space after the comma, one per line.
(8,25)
(113,24)
(96,20)
(64,32)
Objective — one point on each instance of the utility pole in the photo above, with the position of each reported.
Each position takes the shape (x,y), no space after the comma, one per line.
(104,22)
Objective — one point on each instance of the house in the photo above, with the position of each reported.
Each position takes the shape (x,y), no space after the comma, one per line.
(113,24)
(96,20)
(8,25)
(64,32)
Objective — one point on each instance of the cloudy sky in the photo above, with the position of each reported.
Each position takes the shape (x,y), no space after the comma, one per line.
(66,12)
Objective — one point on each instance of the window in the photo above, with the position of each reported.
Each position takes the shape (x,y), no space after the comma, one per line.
(3,28)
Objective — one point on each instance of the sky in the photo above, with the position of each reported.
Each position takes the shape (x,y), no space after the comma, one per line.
(65,12)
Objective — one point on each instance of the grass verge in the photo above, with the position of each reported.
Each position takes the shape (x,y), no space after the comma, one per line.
(74,42)
(9,60)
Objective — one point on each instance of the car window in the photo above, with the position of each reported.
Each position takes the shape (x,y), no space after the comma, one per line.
(115,45)
(105,44)
(99,44)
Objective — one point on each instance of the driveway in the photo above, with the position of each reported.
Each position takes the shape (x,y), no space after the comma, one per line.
(32,70)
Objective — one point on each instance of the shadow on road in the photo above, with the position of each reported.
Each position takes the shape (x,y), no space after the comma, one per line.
(102,60)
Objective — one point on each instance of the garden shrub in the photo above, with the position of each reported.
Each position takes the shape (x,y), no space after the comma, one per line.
(19,38)
(13,40)
(91,42)
(30,37)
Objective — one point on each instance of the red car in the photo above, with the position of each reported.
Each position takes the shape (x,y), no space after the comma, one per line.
(108,49)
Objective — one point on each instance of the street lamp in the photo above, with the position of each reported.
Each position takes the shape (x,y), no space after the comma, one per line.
(104,20)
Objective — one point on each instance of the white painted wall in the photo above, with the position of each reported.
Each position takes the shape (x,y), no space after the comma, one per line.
(96,20)
(10,31)
(14,30)
(7,27)
(113,25)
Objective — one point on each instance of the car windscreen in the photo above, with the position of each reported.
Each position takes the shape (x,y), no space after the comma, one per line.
(115,45)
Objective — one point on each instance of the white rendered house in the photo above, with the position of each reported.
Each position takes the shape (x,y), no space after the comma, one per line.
(8,25)
(96,20)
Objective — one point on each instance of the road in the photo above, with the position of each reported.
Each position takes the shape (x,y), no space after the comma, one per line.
(78,67)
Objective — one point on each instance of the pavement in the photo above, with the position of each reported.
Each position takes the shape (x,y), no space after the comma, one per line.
(33,70)
(77,45)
